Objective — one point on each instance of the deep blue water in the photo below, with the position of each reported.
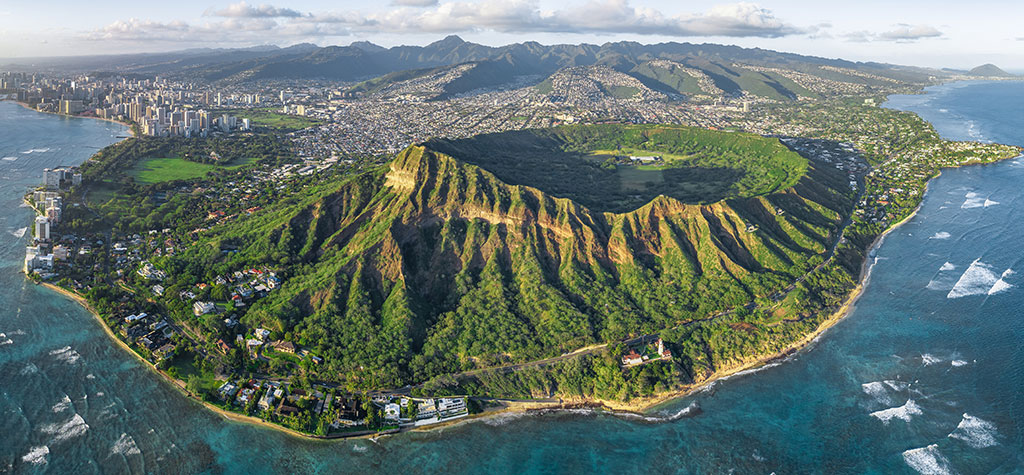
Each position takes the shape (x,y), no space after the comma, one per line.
(933,349)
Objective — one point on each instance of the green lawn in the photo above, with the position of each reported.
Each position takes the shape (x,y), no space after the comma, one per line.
(158,170)
(636,178)
(271,117)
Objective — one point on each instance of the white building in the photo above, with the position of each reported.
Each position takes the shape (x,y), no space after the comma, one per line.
(42,228)
(52,177)
(202,308)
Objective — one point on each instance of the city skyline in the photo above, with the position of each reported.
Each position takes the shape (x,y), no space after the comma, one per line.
(936,34)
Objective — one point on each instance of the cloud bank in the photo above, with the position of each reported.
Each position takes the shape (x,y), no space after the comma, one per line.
(242,22)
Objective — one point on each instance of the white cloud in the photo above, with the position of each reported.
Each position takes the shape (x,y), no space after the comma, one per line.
(244,10)
(595,16)
(902,32)
(241,30)
(426,16)
(414,3)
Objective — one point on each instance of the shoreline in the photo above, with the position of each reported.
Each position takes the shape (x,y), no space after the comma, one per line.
(639,406)
(131,131)
(177,384)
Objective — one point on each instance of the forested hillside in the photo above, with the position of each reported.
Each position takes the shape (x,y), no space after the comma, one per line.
(473,253)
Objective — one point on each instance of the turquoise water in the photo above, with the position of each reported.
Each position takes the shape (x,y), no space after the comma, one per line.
(881,392)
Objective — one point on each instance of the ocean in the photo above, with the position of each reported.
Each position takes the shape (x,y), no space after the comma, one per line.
(926,375)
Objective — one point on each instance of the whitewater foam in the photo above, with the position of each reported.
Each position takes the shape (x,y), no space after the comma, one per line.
(19,233)
(36,455)
(9,159)
(906,412)
(958,363)
(897,385)
(975,432)
(876,389)
(66,355)
(940,235)
(979,279)
(74,427)
(62,405)
(948,266)
(29,369)
(972,200)
(125,446)
(928,359)
(502,419)
(927,460)
(1002,285)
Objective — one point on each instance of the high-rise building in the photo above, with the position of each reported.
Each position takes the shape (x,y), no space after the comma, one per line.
(52,177)
(42,228)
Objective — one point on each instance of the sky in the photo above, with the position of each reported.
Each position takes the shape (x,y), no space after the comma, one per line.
(933,33)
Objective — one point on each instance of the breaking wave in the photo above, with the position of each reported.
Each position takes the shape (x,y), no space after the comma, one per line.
(979,279)
(29,369)
(36,150)
(125,446)
(36,455)
(906,412)
(957,363)
(975,432)
(947,267)
(897,385)
(62,405)
(876,389)
(9,159)
(503,419)
(940,235)
(1001,285)
(66,355)
(74,427)
(19,233)
(927,460)
(928,359)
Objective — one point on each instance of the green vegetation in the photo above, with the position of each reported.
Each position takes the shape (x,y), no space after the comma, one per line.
(702,166)
(269,117)
(434,265)
(157,170)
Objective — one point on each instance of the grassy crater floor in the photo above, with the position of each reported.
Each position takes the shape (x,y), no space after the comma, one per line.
(590,164)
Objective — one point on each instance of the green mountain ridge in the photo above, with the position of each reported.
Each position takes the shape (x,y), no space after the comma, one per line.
(434,265)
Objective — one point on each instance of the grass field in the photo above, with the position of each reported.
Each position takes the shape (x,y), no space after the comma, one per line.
(269,117)
(668,157)
(159,170)
(637,179)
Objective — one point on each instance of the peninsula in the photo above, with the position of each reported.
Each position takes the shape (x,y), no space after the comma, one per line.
(600,258)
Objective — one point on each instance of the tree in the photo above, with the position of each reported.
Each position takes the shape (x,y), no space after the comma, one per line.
(194,385)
